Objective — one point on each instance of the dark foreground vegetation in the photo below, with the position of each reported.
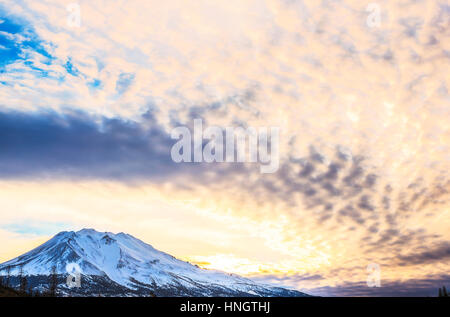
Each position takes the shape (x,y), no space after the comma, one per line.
(18,286)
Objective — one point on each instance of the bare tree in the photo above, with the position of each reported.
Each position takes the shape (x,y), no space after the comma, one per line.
(53,282)
(22,281)
(8,276)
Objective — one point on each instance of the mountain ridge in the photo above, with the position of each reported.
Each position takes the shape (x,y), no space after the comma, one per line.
(122,265)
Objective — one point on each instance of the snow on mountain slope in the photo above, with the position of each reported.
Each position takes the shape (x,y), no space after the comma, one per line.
(130,266)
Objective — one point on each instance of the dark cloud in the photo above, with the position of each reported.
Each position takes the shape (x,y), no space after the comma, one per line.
(295,278)
(440,252)
(307,170)
(428,286)
(354,214)
(370,180)
(333,170)
(77,145)
(364,203)
(322,182)
(355,174)
(386,203)
(289,280)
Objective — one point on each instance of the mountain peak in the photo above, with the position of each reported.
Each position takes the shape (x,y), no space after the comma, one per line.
(87,231)
(100,234)
(127,265)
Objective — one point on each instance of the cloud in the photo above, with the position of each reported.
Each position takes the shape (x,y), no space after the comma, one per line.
(440,252)
(363,111)
(123,82)
(77,145)
(427,287)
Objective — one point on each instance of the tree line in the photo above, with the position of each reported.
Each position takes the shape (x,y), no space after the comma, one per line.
(19,285)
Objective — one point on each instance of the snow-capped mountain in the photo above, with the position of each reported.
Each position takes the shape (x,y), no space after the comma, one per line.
(121,265)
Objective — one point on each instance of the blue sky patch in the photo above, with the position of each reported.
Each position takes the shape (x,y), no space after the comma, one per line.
(16,40)
(71,69)
(37,228)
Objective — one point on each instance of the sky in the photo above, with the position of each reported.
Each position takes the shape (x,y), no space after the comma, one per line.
(91,90)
